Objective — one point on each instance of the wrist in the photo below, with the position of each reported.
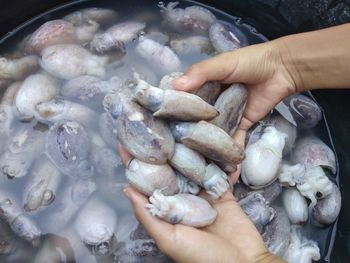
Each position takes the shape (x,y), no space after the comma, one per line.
(318,59)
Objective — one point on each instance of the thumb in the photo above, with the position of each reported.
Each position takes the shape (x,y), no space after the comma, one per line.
(218,68)
(159,230)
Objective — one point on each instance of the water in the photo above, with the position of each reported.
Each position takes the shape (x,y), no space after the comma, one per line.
(109,189)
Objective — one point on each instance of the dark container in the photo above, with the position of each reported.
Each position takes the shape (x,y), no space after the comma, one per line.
(272,18)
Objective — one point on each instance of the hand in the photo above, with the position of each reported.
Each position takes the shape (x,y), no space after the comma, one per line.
(231,238)
(259,67)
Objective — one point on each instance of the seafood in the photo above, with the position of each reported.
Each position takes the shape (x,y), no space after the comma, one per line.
(95,224)
(195,19)
(277,234)
(100,15)
(183,209)
(106,162)
(258,210)
(209,92)
(263,159)
(165,103)
(270,193)
(312,183)
(327,209)
(82,189)
(222,38)
(306,112)
(140,250)
(282,125)
(190,45)
(301,249)
(23,148)
(209,140)
(18,69)
(60,109)
(311,151)
(20,223)
(67,145)
(86,32)
(160,57)
(7,239)
(35,89)
(88,88)
(42,186)
(116,36)
(148,139)
(158,36)
(54,248)
(108,129)
(188,162)
(64,208)
(193,166)
(51,33)
(187,186)
(295,205)
(149,177)
(7,114)
(67,61)
(166,81)
(231,104)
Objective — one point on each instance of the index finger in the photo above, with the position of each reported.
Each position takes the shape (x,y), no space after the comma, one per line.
(218,68)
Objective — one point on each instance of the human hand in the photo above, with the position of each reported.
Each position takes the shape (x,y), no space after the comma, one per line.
(259,67)
(231,238)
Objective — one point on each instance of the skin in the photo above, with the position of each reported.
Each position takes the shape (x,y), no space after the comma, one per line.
(270,71)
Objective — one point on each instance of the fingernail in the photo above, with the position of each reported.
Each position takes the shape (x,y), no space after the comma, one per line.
(183,80)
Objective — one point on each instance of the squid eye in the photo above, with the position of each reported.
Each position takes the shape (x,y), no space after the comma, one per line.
(319,195)
(174,220)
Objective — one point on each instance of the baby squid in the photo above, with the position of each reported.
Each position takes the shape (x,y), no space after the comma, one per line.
(59,109)
(160,57)
(100,15)
(326,210)
(222,38)
(194,19)
(209,140)
(88,88)
(67,61)
(263,159)
(95,225)
(165,103)
(148,139)
(68,145)
(149,177)
(42,186)
(20,223)
(301,249)
(277,234)
(18,69)
(116,36)
(231,104)
(258,210)
(185,209)
(311,151)
(295,205)
(35,89)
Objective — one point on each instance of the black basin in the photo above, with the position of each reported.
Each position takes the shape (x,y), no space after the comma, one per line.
(273,18)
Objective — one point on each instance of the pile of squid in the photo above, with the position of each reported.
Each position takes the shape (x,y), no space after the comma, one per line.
(77,86)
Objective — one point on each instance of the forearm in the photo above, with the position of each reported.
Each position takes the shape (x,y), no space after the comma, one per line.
(319,59)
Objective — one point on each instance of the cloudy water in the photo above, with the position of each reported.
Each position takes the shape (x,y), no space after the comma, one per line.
(93,198)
